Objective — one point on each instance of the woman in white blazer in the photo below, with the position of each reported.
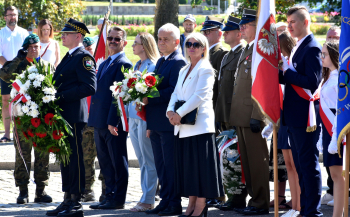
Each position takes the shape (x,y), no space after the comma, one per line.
(197,170)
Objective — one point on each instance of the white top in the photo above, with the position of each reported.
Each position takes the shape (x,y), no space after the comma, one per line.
(50,54)
(11,42)
(296,47)
(73,49)
(213,45)
(329,90)
(197,91)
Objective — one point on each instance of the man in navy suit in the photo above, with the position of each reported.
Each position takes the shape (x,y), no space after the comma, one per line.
(304,71)
(162,132)
(110,138)
(75,79)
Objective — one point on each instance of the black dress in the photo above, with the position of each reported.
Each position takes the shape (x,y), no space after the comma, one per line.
(197,166)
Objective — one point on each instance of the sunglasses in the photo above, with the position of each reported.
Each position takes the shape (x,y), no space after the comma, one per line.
(195,45)
(115,39)
(323,55)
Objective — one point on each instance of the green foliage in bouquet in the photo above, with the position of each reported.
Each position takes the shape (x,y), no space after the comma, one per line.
(37,116)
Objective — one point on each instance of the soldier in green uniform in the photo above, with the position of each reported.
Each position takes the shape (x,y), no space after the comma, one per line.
(25,56)
(89,148)
(212,30)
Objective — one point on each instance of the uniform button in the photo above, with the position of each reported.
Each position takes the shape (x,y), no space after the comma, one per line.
(93,103)
(234,93)
(61,75)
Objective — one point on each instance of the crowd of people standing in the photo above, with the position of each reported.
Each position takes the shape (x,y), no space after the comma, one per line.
(200,76)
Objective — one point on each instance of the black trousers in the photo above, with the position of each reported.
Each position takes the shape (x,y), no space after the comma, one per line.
(73,174)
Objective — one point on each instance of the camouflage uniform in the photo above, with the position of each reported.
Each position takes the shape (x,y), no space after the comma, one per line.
(41,162)
(90,153)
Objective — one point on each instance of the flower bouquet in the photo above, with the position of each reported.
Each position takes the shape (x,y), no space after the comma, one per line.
(36,116)
(135,87)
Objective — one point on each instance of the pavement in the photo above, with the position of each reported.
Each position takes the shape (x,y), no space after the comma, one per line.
(9,193)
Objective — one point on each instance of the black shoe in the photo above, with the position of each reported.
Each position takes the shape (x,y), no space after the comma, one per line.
(171,210)
(88,195)
(23,197)
(230,205)
(251,210)
(111,204)
(186,215)
(239,210)
(204,212)
(156,210)
(73,209)
(95,206)
(58,209)
(42,197)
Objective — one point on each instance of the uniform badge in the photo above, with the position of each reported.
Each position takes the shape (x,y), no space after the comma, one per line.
(88,63)
(245,62)
(295,65)
(31,41)
(246,70)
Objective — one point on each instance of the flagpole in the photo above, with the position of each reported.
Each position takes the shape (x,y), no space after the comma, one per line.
(347,162)
(103,26)
(275,169)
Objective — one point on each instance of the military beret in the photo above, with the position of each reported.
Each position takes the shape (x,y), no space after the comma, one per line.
(248,16)
(88,41)
(75,26)
(30,39)
(232,23)
(212,22)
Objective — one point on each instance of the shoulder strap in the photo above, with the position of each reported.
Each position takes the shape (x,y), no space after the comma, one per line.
(46,49)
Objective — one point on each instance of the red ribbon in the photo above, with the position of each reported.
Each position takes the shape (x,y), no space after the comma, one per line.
(240,158)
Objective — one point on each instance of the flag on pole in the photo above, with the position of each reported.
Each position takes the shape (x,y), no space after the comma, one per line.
(266,56)
(101,52)
(343,104)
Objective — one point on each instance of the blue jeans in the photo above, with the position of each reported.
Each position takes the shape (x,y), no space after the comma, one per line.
(144,153)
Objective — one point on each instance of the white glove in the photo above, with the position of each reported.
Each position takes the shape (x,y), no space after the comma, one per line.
(319,142)
(285,63)
(333,146)
(266,132)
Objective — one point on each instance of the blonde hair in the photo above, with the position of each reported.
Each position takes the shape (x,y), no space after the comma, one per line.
(150,46)
(202,40)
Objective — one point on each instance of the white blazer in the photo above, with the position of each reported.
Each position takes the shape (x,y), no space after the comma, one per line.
(197,91)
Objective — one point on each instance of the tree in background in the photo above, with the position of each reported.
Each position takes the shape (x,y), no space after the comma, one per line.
(57,11)
(167,11)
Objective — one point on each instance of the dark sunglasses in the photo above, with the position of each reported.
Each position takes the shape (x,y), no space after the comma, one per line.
(195,45)
(115,39)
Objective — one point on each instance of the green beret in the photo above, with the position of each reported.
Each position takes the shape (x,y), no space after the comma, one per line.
(30,39)
(88,41)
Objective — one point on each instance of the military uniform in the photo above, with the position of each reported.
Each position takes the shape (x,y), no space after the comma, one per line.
(41,163)
(216,53)
(254,153)
(75,79)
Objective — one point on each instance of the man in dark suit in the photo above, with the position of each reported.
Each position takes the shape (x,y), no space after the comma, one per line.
(75,79)
(249,121)
(304,71)
(110,138)
(226,78)
(212,30)
(162,132)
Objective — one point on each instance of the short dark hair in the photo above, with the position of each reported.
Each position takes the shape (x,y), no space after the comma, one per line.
(294,9)
(116,28)
(10,8)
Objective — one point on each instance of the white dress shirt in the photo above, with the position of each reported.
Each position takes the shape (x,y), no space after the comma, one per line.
(73,49)
(11,41)
(296,48)
(329,90)
(213,45)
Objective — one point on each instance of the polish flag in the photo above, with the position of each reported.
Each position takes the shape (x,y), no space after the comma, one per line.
(266,90)
(101,52)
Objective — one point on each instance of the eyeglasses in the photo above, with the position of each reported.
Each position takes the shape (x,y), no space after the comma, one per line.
(11,15)
(244,26)
(45,30)
(115,39)
(195,45)
(136,43)
(323,55)
(65,34)
(207,32)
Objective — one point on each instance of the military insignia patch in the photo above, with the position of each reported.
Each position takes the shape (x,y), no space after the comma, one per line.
(87,62)
(31,41)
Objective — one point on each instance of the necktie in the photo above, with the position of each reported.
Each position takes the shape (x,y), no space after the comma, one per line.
(161,61)
(105,66)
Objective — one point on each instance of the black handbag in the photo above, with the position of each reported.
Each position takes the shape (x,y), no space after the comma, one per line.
(190,118)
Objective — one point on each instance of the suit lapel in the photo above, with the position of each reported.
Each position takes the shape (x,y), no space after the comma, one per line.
(232,55)
(246,54)
(191,75)
(303,44)
(166,62)
(110,66)
(66,60)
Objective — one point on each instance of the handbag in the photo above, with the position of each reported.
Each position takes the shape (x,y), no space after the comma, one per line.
(190,118)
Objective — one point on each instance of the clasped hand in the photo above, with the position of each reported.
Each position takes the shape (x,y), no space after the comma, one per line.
(174,118)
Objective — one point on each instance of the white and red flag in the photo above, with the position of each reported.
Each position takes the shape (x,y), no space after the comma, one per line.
(266,90)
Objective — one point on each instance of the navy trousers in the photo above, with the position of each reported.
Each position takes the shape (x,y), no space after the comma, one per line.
(113,159)
(305,155)
(163,151)
(73,174)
